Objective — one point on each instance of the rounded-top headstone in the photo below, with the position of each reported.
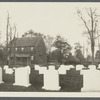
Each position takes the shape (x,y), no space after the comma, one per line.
(51,67)
(37,67)
(28,66)
(71,66)
(6,66)
(62,69)
(79,67)
(62,65)
(42,70)
(92,67)
(67,67)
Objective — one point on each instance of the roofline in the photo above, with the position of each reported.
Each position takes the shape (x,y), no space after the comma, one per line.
(38,42)
(27,46)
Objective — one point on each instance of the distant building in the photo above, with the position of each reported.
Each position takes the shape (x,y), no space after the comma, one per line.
(27,51)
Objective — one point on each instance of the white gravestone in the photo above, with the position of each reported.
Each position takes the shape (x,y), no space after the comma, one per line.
(68,67)
(51,79)
(22,76)
(62,69)
(98,66)
(8,70)
(91,79)
(37,67)
(79,67)
(71,66)
(42,70)
(1,81)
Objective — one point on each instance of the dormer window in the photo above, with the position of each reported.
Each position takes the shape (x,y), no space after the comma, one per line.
(32,48)
(22,49)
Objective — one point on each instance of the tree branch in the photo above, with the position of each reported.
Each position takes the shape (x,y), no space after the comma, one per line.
(81,17)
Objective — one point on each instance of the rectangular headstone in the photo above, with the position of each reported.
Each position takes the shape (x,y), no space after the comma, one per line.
(51,79)
(36,79)
(91,79)
(72,81)
(99,66)
(22,76)
(1,81)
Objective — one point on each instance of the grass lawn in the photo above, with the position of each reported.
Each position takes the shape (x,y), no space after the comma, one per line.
(71,82)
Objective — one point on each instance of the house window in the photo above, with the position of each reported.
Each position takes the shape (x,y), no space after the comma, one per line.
(8,58)
(32,57)
(22,49)
(16,49)
(32,48)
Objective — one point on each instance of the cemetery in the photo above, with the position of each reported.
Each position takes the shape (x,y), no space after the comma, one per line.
(67,78)
(49,47)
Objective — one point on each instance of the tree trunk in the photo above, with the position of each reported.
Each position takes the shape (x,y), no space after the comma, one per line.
(92,50)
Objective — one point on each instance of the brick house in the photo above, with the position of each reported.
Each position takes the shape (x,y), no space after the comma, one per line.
(27,51)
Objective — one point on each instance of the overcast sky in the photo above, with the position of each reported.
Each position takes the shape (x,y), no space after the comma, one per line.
(46,18)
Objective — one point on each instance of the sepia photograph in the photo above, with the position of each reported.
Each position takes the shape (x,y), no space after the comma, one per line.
(49,49)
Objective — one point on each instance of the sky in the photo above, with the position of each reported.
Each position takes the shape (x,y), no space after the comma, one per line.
(48,18)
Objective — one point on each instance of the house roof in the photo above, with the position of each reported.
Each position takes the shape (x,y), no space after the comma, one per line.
(25,41)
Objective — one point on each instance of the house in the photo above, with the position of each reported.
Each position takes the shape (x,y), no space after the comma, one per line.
(27,51)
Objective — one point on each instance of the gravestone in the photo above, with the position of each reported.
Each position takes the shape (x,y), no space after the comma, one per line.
(68,67)
(42,70)
(62,69)
(8,70)
(72,81)
(91,79)
(51,79)
(98,67)
(71,66)
(8,74)
(22,76)
(79,67)
(37,67)
(35,78)
(1,81)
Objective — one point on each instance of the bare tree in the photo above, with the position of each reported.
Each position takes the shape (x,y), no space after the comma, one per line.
(7,28)
(90,22)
